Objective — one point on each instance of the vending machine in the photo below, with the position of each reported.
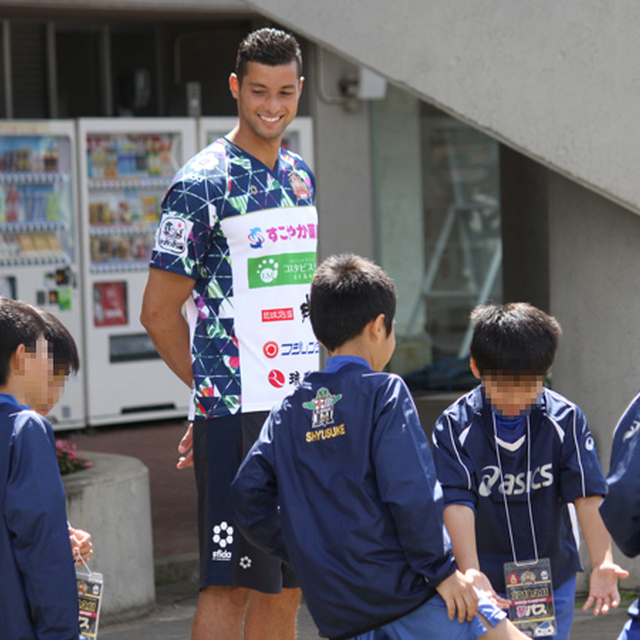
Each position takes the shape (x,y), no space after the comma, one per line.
(39,247)
(298,136)
(126,166)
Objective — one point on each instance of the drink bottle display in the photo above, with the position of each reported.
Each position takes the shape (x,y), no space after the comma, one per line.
(39,257)
(126,167)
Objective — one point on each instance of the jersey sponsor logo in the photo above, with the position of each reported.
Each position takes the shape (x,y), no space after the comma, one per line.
(276,378)
(256,239)
(305,309)
(282,269)
(631,430)
(259,237)
(172,235)
(295,378)
(515,484)
(301,348)
(322,407)
(271,349)
(277,315)
(299,186)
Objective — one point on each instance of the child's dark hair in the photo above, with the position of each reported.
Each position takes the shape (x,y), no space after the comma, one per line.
(62,346)
(268,46)
(515,338)
(19,324)
(347,293)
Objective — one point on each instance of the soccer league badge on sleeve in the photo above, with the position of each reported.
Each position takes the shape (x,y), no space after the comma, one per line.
(172,236)
(299,186)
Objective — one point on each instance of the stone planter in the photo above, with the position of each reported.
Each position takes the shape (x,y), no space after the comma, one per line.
(111,500)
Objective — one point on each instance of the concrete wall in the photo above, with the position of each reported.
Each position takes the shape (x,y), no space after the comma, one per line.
(342,150)
(555,80)
(594,294)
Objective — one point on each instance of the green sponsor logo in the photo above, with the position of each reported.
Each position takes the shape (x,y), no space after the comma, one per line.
(285,268)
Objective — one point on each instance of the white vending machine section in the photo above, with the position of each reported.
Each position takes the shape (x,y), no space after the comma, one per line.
(298,137)
(126,166)
(39,257)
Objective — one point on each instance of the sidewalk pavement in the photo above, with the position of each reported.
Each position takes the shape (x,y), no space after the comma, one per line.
(176,603)
(175,540)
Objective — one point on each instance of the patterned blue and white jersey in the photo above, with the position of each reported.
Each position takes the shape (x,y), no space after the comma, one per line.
(247,235)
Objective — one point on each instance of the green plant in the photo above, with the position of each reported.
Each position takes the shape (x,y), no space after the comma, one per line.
(68,460)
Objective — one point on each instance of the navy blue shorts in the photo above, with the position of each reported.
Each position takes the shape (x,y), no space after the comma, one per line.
(226,557)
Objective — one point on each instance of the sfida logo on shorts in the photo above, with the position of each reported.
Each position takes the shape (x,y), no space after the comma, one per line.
(223,537)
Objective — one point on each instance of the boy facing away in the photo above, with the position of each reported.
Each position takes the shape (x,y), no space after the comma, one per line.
(511,457)
(38,591)
(620,509)
(342,485)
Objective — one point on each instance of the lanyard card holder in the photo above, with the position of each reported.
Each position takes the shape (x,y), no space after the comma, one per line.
(90,586)
(530,591)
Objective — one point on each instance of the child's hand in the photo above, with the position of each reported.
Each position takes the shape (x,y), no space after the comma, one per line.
(459,595)
(603,587)
(81,544)
(480,581)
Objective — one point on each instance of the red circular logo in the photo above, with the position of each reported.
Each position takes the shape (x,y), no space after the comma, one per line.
(276,378)
(271,349)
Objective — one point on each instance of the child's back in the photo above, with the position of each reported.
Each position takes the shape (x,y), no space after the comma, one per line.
(353,469)
(341,482)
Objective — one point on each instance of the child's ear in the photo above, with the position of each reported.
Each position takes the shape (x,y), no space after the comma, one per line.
(474,368)
(18,358)
(379,326)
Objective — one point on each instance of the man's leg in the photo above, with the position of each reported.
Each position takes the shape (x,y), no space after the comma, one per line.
(219,613)
(272,616)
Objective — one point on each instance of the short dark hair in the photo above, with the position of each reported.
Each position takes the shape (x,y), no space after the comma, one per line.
(347,293)
(514,338)
(62,346)
(268,46)
(19,324)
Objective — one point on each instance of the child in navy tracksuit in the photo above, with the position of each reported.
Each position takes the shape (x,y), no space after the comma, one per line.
(342,485)
(38,591)
(511,456)
(620,509)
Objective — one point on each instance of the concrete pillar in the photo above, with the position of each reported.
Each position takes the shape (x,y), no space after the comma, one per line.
(525,229)
(342,147)
(111,501)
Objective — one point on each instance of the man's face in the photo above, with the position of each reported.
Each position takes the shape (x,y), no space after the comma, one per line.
(267,98)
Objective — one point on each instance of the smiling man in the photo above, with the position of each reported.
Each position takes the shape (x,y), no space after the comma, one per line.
(237,243)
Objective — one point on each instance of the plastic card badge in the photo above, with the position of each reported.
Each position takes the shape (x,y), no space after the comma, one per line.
(530,591)
(90,586)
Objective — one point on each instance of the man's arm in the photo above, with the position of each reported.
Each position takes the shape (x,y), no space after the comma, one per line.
(161,316)
(603,583)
